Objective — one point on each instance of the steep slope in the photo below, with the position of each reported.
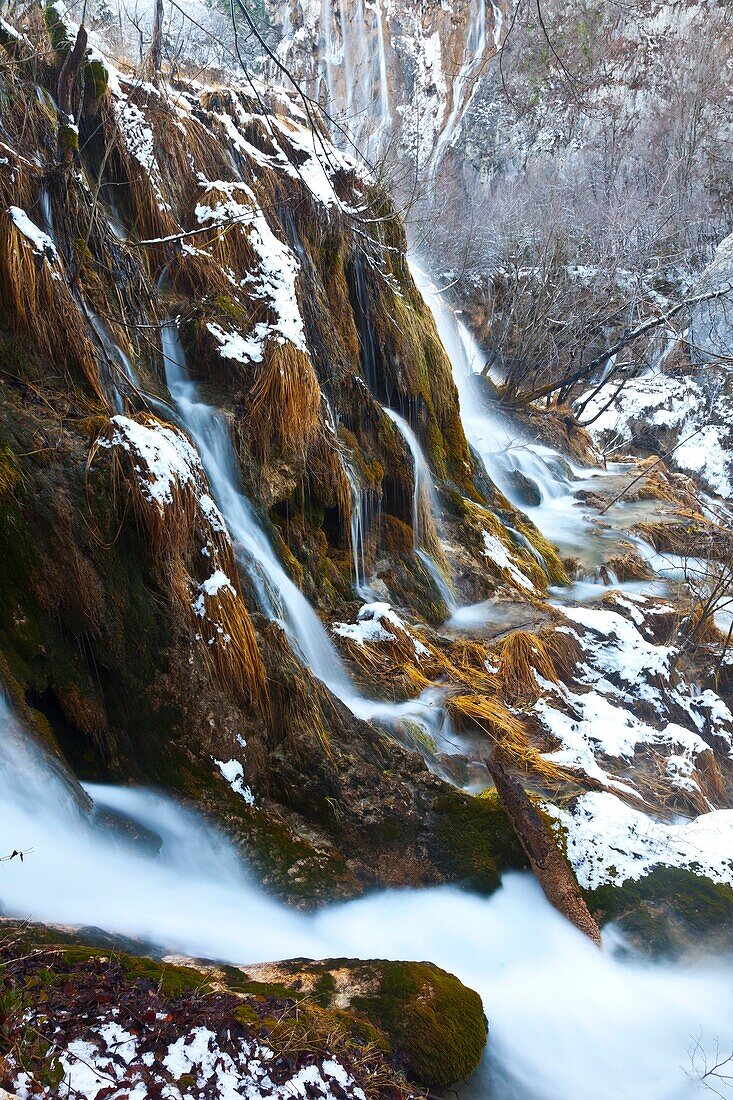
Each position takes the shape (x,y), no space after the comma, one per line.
(139,637)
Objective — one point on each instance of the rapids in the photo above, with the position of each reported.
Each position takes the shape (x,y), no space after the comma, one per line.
(566,1020)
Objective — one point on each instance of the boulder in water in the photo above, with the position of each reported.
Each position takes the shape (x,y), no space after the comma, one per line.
(527,490)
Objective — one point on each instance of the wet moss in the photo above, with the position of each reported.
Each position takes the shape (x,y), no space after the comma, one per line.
(473,840)
(435,1025)
(668,911)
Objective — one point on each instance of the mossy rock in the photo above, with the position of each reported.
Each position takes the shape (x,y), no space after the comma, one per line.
(431,1026)
(473,839)
(410,1021)
(670,911)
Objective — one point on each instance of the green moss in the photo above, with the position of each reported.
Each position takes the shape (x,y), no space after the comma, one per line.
(667,910)
(473,840)
(435,1025)
(96,77)
(57,28)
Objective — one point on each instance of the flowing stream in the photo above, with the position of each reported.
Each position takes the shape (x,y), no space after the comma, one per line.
(566,1020)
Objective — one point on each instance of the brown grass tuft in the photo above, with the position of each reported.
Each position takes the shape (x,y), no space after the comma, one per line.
(283,405)
(190,545)
(38,303)
(523,655)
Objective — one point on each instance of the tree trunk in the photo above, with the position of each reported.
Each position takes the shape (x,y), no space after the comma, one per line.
(68,130)
(550,868)
(156,42)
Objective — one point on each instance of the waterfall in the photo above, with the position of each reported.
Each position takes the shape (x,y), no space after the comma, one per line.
(561,1013)
(425,507)
(383,116)
(279,597)
(359,526)
(533,477)
(476,41)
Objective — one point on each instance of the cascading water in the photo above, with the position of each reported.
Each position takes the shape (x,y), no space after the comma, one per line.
(554,480)
(562,1014)
(475,50)
(279,597)
(425,506)
(359,527)
(521,470)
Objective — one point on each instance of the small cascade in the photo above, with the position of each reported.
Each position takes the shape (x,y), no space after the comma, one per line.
(383,117)
(279,598)
(45,203)
(359,528)
(367,343)
(116,358)
(425,508)
(361,512)
(534,478)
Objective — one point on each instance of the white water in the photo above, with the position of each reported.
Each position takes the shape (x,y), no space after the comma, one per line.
(424,500)
(354,70)
(359,525)
(476,41)
(502,448)
(567,1022)
(278,596)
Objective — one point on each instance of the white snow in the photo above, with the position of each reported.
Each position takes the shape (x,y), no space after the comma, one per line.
(212,586)
(108,1060)
(233,772)
(495,549)
(274,280)
(609,841)
(165,460)
(40,241)
(704,447)
(370,627)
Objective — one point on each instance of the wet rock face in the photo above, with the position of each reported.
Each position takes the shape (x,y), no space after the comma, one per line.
(389,68)
(526,489)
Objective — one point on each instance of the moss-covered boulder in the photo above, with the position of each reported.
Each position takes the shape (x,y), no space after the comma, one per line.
(376,1026)
(670,911)
(427,1022)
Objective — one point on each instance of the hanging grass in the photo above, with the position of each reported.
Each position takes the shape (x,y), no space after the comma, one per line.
(190,544)
(283,405)
(38,304)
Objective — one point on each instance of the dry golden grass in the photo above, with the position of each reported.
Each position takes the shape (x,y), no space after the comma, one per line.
(508,734)
(177,532)
(523,656)
(476,698)
(283,405)
(41,306)
(658,484)
(230,641)
(685,539)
